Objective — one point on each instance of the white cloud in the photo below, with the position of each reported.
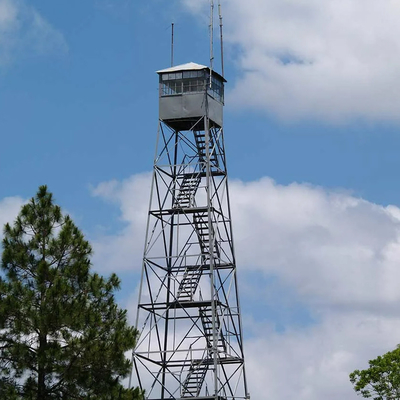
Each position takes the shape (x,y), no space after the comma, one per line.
(123,251)
(332,247)
(335,255)
(312,59)
(24,31)
(314,363)
(9,209)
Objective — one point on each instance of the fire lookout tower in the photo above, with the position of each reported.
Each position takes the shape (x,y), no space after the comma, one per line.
(191,342)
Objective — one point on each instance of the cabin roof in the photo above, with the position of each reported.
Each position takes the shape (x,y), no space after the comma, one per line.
(190,66)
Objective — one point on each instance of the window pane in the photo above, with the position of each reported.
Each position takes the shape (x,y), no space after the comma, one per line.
(178,86)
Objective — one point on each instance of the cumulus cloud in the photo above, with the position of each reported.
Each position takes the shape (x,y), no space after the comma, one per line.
(9,209)
(334,248)
(24,31)
(333,61)
(313,363)
(333,255)
(123,251)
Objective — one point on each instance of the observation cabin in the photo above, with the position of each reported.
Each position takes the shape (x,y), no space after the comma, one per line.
(188,93)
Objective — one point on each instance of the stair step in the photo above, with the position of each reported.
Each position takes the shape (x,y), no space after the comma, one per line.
(194,380)
(188,284)
(200,140)
(187,189)
(206,319)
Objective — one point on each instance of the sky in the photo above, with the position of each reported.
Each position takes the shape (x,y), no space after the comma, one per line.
(312,136)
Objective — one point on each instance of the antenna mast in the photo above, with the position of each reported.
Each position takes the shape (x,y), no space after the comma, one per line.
(211,38)
(221,37)
(172,44)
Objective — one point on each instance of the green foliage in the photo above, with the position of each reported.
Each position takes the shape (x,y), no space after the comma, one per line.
(62,336)
(381,381)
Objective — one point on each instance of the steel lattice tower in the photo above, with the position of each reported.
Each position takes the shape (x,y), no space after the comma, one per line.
(191,343)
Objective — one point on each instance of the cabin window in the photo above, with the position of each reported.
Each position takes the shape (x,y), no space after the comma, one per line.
(175,83)
(217,89)
(182,82)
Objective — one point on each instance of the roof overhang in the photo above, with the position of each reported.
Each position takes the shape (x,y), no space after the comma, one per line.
(191,66)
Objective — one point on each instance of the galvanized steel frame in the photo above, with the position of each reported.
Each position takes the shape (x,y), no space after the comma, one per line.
(191,342)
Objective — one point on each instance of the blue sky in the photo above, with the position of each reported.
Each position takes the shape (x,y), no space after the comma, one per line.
(87,107)
(312,138)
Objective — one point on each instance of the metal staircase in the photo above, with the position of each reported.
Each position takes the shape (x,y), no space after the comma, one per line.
(185,199)
(200,139)
(192,275)
(200,222)
(195,378)
(187,191)
(197,372)
(188,284)
(207,322)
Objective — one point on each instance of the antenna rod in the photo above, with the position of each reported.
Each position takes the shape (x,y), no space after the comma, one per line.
(221,37)
(211,39)
(172,44)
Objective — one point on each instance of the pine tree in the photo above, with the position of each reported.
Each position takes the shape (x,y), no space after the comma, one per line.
(62,335)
